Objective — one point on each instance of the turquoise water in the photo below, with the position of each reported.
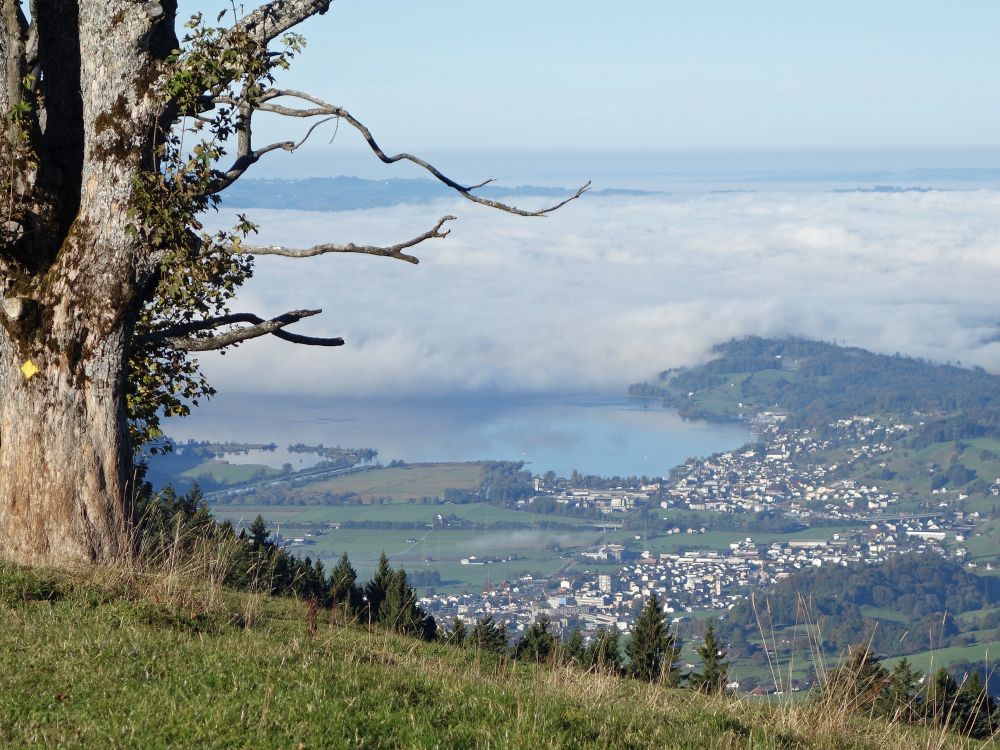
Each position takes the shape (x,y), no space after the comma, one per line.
(594,436)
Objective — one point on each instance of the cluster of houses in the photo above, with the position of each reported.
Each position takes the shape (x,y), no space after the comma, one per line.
(618,500)
(787,472)
(686,581)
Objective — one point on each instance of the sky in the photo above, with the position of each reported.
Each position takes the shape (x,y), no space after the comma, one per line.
(642,75)
(609,291)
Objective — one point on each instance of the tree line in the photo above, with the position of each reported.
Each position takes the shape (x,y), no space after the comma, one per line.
(863,684)
(650,654)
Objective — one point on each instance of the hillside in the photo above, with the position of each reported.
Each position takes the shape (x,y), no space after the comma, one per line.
(115,663)
(949,415)
(816,383)
(908,605)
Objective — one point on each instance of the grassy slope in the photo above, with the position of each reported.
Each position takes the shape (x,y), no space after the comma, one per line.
(157,669)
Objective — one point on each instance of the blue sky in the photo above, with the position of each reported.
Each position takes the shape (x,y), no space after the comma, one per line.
(639,75)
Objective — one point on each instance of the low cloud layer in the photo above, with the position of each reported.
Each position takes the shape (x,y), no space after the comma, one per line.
(611,290)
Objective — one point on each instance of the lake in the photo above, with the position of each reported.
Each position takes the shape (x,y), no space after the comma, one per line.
(594,435)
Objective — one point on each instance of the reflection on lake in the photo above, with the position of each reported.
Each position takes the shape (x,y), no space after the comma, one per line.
(594,436)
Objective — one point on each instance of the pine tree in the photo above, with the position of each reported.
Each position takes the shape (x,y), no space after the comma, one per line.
(537,642)
(941,698)
(375,589)
(860,681)
(974,708)
(398,609)
(489,636)
(714,668)
(428,626)
(259,534)
(604,653)
(652,649)
(344,592)
(900,701)
(309,580)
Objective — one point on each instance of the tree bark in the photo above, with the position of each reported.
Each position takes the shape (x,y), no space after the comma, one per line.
(72,278)
(63,458)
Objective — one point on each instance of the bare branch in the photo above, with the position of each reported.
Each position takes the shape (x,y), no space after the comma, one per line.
(247,156)
(177,336)
(273,19)
(265,103)
(392,251)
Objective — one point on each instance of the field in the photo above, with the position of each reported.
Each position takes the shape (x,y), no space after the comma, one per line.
(926,662)
(913,477)
(985,541)
(227,473)
(930,661)
(720,540)
(538,551)
(430,545)
(400,483)
(396,512)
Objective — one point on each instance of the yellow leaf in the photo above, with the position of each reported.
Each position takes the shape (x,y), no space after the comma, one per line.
(29,369)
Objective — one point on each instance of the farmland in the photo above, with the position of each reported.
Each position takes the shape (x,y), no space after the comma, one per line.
(536,551)
(398,482)
(387,513)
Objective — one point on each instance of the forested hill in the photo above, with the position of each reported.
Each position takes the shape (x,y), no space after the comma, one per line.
(349,193)
(909,604)
(816,383)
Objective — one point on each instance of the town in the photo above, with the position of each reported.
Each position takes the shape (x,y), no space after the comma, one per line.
(787,473)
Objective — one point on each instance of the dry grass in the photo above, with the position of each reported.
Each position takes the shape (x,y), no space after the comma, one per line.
(157,653)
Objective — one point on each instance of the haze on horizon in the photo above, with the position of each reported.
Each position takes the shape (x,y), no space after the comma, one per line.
(612,290)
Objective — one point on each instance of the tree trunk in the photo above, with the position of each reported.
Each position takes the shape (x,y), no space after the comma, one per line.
(73,272)
(63,453)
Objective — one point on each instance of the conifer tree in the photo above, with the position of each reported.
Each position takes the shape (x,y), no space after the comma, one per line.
(428,626)
(487,635)
(714,668)
(376,588)
(259,533)
(900,701)
(308,579)
(344,592)
(168,520)
(398,609)
(974,708)
(537,643)
(652,649)
(859,681)
(941,698)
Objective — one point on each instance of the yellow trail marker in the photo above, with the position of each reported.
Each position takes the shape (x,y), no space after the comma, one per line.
(29,369)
